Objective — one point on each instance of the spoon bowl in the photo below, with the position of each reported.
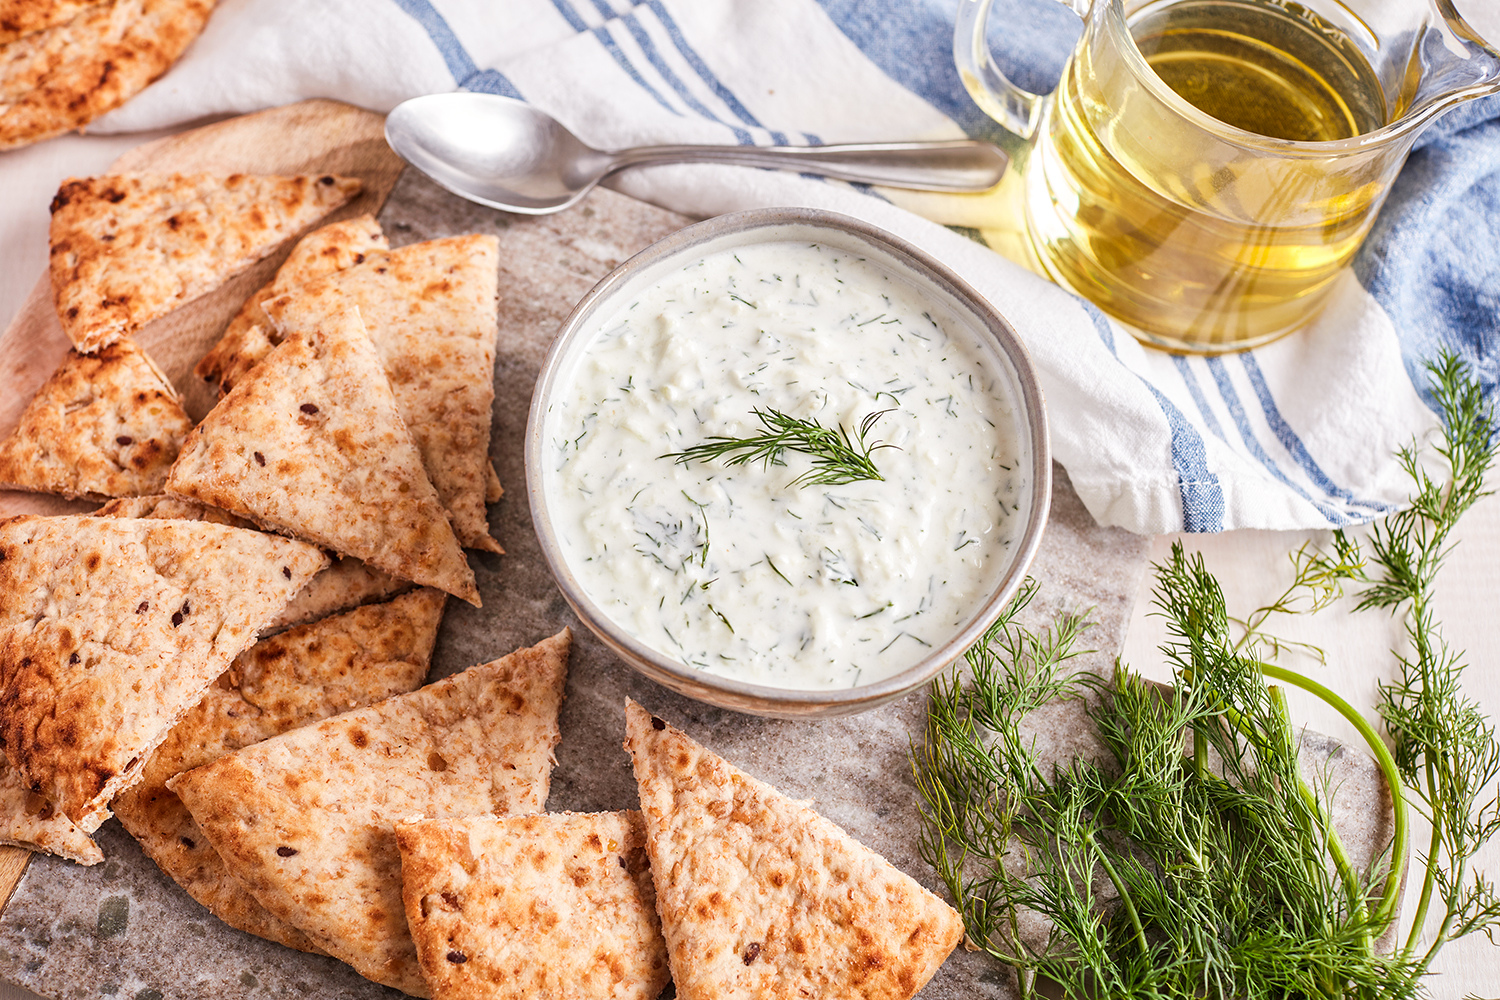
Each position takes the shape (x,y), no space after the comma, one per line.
(508,155)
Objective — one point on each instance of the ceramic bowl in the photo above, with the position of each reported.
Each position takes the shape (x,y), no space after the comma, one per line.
(932,281)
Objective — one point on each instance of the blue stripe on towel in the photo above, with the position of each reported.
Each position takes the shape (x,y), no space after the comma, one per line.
(1253,446)
(1293,444)
(489,81)
(693,59)
(1197,486)
(914,47)
(654,57)
(601,34)
(1199,399)
(455,56)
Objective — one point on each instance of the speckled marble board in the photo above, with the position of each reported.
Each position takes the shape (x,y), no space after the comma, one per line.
(122,929)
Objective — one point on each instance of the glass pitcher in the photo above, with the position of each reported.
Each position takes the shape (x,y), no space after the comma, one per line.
(1205,168)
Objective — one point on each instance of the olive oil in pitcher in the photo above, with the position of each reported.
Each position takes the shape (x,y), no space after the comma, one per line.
(1205,237)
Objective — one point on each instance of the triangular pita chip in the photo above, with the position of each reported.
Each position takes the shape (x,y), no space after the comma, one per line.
(513,908)
(306,820)
(289,680)
(72,71)
(759,896)
(311,443)
(29,820)
(104,425)
(111,629)
(430,309)
(128,248)
(346,584)
(250,336)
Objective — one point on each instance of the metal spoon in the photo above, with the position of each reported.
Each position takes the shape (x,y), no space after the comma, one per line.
(508,155)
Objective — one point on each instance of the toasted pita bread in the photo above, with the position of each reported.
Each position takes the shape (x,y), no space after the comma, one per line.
(28,820)
(111,629)
(346,584)
(430,309)
(311,443)
(759,896)
(72,71)
(131,247)
(513,908)
(19,18)
(103,425)
(250,336)
(306,820)
(300,676)
(165,508)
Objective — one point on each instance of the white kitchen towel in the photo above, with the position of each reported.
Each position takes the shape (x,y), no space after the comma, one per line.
(1298,434)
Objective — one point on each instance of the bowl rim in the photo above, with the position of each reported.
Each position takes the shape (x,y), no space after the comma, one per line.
(742,696)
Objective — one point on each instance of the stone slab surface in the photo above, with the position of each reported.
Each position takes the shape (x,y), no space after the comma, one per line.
(122,929)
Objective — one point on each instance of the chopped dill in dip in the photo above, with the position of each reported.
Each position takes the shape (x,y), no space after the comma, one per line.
(760,571)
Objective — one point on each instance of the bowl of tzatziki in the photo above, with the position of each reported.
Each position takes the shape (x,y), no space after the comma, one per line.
(787,463)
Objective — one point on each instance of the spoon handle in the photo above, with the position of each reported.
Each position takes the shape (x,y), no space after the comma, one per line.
(958,165)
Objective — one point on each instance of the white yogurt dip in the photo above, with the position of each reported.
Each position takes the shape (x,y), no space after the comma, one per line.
(744,571)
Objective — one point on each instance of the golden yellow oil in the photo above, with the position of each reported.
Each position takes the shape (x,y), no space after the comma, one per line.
(1198,255)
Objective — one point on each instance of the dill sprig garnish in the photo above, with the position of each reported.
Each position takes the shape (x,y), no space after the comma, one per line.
(837,457)
(1193,858)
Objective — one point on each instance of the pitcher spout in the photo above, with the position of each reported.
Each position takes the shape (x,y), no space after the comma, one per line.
(1447,63)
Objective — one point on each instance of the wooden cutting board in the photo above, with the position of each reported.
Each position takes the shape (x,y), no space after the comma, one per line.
(123,929)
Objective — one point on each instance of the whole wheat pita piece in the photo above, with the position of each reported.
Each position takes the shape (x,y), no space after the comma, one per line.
(166,508)
(127,248)
(759,896)
(346,584)
(28,820)
(250,336)
(66,74)
(103,425)
(111,629)
(431,311)
(511,908)
(311,443)
(297,677)
(306,820)
(19,18)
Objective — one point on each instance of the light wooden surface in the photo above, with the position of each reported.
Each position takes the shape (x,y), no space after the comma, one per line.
(1251,565)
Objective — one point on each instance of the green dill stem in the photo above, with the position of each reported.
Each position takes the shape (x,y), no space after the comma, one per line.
(1433,847)
(1392,777)
(1125,900)
(1442,934)
(1335,846)
(1386,911)
(1200,755)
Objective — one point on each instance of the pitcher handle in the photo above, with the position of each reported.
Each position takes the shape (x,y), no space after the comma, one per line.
(1016,109)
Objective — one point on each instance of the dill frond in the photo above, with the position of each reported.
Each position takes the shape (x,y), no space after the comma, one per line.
(838,458)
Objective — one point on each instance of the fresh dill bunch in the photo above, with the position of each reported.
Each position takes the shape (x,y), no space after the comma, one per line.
(1157,872)
(1190,857)
(837,457)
